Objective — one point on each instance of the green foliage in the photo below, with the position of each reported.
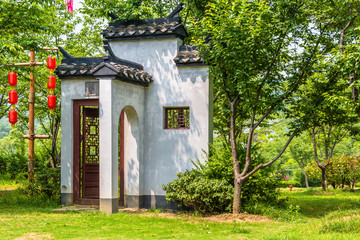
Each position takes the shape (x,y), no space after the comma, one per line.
(293,183)
(260,187)
(342,171)
(47,183)
(300,178)
(216,175)
(13,159)
(201,194)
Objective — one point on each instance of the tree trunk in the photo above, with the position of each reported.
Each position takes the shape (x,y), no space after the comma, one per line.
(236,164)
(52,162)
(306,177)
(53,155)
(323,181)
(237,197)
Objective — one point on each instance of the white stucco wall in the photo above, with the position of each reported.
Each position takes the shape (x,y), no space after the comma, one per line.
(153,155)
(130,98)
(167,152)
(70,90)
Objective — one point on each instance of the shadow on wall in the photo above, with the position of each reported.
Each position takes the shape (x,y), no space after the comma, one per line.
(177,86)
(131,151)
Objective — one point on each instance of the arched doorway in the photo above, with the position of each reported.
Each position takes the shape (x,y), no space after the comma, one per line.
(128,155)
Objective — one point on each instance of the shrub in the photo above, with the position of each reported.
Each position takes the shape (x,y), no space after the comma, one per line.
(287,183)
(46,183)
(209,187)
(195,192)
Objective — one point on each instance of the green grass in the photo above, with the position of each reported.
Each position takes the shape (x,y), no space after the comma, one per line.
(310,214)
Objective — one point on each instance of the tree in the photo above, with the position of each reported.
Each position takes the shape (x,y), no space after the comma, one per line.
(342,170)
(35,24)
(301,153)
(327,97)
(257,68)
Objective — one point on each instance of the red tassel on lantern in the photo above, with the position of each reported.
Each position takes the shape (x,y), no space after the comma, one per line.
(52,103)
(12,118)
(13,97)
(51,63)
(51,82)
(12,79)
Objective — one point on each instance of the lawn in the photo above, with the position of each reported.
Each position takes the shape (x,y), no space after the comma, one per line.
(315,215)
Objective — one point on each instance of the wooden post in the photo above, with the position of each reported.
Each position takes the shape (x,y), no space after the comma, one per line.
(32,136)
(31,162)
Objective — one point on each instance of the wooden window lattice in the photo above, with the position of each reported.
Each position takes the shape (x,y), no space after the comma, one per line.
(177,118)
(91,140)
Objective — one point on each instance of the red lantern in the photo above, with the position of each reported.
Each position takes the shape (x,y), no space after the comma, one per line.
(12,118)
(51,63)
(52,102)
(12,79)
(13,97)
(51,82)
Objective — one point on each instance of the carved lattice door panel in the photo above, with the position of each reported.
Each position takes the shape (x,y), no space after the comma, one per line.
(90,153)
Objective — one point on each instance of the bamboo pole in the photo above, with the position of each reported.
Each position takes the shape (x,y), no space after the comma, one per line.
(31,162)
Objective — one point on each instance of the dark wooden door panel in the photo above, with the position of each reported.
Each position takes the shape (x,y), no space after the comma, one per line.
(78,114)
(90,161)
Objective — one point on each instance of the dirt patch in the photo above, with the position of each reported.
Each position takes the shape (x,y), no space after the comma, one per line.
(323,193)
(37,236)
(3,219)
(241,217)
(349,217)
(78,208)
(8,188)
(225,217)
(132,210)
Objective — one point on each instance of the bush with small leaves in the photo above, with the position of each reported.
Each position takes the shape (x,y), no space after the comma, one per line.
(195,192)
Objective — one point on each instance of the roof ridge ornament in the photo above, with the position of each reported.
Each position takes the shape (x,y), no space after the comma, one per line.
(65,53)
(176,11)
(113,16)
(109,52)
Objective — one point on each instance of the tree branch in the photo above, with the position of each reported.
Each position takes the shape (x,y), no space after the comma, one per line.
(273,160)
(342,34)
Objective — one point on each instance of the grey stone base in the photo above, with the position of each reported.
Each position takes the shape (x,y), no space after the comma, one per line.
(109,206)
(150,201)
(66,199)
(134,201)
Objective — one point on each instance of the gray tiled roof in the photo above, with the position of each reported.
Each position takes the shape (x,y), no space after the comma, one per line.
(188,55)
(123,70)
(149,28)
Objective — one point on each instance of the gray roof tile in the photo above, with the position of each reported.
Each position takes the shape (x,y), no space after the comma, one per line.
(188,55)
(147,28)
(123,70)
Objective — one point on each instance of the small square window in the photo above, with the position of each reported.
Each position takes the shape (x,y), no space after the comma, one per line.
(177,118)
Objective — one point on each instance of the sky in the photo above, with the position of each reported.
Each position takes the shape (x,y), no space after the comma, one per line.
(77,4)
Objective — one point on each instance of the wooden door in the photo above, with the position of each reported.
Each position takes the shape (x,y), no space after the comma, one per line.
(90,153)
(86,151)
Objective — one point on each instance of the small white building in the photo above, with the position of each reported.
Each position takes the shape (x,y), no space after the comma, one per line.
(133,119)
